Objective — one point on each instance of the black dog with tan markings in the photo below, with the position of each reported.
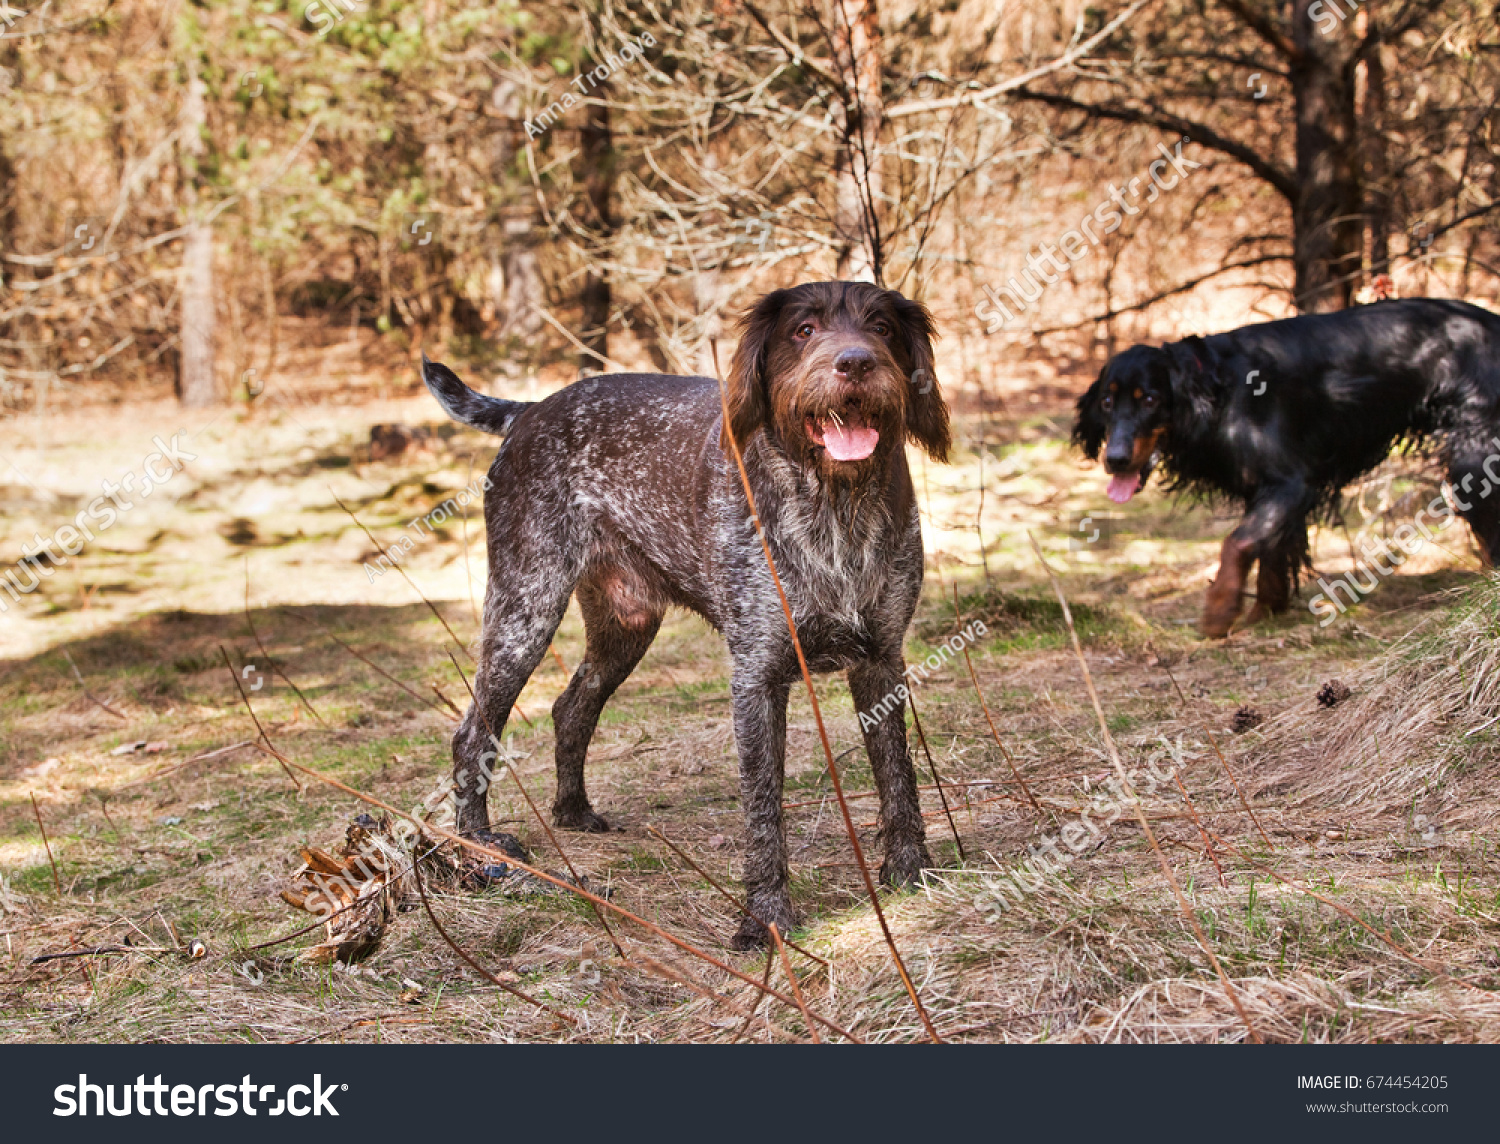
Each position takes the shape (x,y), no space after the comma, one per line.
(1281,416)
(620,490)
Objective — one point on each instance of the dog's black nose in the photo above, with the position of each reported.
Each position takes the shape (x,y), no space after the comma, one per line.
(1117,460)
(854,363)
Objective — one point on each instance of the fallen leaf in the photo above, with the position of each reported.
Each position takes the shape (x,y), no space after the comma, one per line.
(130,748)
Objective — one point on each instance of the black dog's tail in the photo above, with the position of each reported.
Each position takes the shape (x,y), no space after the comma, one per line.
(490,414)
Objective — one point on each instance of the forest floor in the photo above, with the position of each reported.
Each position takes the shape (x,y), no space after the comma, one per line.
(1358,902)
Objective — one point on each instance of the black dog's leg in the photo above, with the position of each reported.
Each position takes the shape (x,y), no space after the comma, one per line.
(614,648)
(1473,486)
(1275,517)
(760,734)
(1273,584)
(873,684)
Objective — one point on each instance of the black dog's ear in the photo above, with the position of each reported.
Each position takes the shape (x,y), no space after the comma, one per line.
(1090,428)
(748,399)
(926,411)
(1192,370)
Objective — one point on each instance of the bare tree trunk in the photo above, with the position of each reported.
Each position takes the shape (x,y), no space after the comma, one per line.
(1327,225)
(862,113)
(596,157)
(196,386)
(1372,146)
(516,288)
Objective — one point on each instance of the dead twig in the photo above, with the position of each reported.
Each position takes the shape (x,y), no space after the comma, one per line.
(833,770)
(36,810)
(985,707)
(287,679)
(1135,802)
(664,970)
(185,763)
(442,933)
(765,983)
(1202,833)
(786,967)
(916,721)
(551,879)
(78,675)
(375,667)
(266,738)
(725,894)
(381,549)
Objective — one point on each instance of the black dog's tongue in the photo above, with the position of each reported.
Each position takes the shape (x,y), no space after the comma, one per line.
(1124,486)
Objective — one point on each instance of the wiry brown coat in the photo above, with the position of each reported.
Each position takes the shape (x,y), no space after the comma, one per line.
(619,489)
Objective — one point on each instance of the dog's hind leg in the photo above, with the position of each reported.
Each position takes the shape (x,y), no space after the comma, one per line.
(617,638)
(525,602)
(1474,486)
(1273,584)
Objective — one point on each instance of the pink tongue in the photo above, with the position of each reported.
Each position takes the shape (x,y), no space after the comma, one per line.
(1123,487)
(849,442)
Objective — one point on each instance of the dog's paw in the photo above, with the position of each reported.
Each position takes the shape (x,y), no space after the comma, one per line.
(1216,623)
(753,935)
(750,935)
(499,840)
(583,819)
(1257,614)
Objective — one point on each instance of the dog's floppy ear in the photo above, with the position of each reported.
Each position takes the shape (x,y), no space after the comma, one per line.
(1192,369)
(926,411)
(748,399)
(1090,428)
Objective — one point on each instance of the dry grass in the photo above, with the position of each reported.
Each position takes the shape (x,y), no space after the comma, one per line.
(154,851)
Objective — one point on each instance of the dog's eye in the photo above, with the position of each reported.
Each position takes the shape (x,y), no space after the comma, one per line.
(1150,400)
(882,329)
(1108,404)
(805,330)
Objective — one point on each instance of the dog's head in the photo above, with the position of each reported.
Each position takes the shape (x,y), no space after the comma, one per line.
(1128,412)
(838,374)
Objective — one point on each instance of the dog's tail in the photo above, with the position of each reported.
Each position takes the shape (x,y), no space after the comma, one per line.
(490,414)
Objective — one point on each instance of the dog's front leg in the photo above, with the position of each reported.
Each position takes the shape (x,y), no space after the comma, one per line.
(882,718)
(760,734)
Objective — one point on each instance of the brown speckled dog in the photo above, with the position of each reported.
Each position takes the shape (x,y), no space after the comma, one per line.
(620,489)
